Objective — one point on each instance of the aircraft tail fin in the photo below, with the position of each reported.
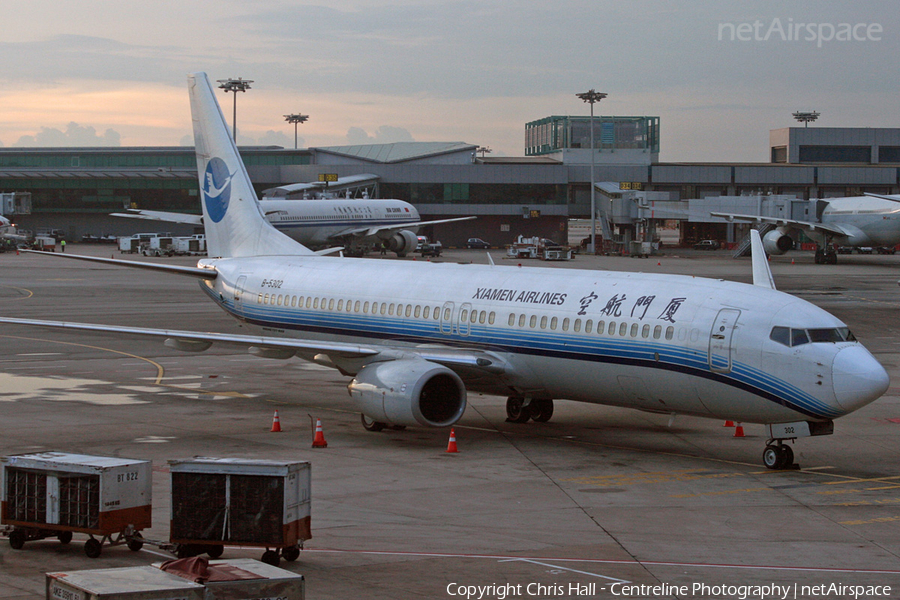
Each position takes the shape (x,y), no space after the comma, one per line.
(762,274)
(234,223)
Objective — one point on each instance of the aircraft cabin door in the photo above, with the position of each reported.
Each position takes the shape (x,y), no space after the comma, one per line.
(446,318)
(720,340)
(239,296)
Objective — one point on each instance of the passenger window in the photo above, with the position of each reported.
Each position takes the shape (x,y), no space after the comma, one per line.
(782,335)
(491,316)
(474,316)
(383,307)
(565,326)
(418,311)
(408,309)
(391,309)
(576,326)
(340,305)
(553,323)
(588,325)
(623,329)
(365,307)
(645,331)
(316,303)
(533,321)
(522,320)
(259,299)
(544,322)
(426,312)
(670,332)
(308,302)
(634,329)
(446,314)
(512,319)
(331,304)
(612,328)
(356,306)
(463,316)
(657,331)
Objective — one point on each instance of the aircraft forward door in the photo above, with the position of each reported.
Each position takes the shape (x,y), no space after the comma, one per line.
(720,340)
(239,296)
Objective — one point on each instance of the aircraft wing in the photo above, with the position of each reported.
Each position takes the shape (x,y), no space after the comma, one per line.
(781,222)
(364,231)
(279,347)
(159,215)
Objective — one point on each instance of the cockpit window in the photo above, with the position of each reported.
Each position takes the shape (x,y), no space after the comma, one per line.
(798,337)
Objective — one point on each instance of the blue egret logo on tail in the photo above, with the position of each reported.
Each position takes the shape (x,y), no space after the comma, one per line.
(217,189)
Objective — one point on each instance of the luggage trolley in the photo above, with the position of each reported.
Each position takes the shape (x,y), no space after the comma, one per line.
(57,494)
(219,502)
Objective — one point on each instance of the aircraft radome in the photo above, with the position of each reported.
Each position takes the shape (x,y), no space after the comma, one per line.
(416,336)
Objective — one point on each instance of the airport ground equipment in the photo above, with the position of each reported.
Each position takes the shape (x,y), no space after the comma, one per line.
(57,494)
(219,502)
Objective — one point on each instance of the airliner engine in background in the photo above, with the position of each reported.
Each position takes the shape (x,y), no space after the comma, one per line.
(870,220)
(356,224)
(417,336)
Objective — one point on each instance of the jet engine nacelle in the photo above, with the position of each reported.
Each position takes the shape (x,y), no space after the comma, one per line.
(402,242)
(777,243)
(409,391)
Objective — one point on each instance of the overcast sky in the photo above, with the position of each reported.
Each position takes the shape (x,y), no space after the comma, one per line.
(720,74)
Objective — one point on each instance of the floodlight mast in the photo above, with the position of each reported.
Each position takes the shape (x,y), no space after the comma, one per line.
(806,117)
(591,97)
(234,85)
(483,150)
(296,119)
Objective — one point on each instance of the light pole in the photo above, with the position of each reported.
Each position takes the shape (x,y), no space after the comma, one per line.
(295,119)
(484,150)
(234,85)
(590,97)
(806,117)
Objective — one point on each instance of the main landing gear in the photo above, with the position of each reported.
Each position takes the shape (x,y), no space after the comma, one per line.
(520,410)
(826,255)
(777,455)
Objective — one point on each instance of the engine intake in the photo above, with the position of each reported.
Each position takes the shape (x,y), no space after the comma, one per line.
(777,243)
(409,392)
(402,242)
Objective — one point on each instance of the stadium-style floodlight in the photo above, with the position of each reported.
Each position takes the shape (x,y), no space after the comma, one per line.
(296,119)
(234,85)
(806,117)
(484,150)
(591,97)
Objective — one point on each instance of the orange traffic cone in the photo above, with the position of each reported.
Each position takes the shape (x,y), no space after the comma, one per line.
(319,440)
(728,424)
(451,447)
(276,423)
(739,430)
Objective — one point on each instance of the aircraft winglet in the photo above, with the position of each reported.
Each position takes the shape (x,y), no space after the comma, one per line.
(762,274)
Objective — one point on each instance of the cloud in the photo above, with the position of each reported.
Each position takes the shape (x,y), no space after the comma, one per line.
(278,138)
(383,135)
(74,135)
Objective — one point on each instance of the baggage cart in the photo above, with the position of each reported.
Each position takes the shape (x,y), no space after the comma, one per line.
(127,583)
(239,578)
(56,494)
(219,502)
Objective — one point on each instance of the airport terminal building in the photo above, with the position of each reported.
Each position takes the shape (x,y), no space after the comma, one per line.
(75,189)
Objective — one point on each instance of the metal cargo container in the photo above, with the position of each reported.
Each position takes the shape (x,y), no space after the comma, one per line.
(128,583)
(56,493)
(240,579)
(227,501)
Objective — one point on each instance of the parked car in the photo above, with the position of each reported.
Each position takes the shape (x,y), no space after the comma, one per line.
(477,243)
(845,249)
(864,250)
(886,249)
(707,245)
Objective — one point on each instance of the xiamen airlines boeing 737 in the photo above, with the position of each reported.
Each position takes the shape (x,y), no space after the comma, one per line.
(415,336)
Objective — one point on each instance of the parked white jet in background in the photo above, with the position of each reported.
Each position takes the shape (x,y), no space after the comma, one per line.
(8,231)
(416,336)
(870,220)
(356,224)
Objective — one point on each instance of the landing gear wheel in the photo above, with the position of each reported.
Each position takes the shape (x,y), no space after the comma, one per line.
(371,424)
(270,557)
(777,457)
(787,456)
(93,548)
(290,554)
(64,537)
(17,539)
(214,552)
(516,411)
(541,410)
(136,542)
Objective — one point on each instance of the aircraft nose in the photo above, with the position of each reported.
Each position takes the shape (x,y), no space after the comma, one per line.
(858,378)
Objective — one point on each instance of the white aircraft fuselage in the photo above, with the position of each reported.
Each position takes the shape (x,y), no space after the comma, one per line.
(416,337)
(866,220)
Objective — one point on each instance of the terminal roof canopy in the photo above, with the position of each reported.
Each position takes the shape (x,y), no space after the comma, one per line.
(397,152)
